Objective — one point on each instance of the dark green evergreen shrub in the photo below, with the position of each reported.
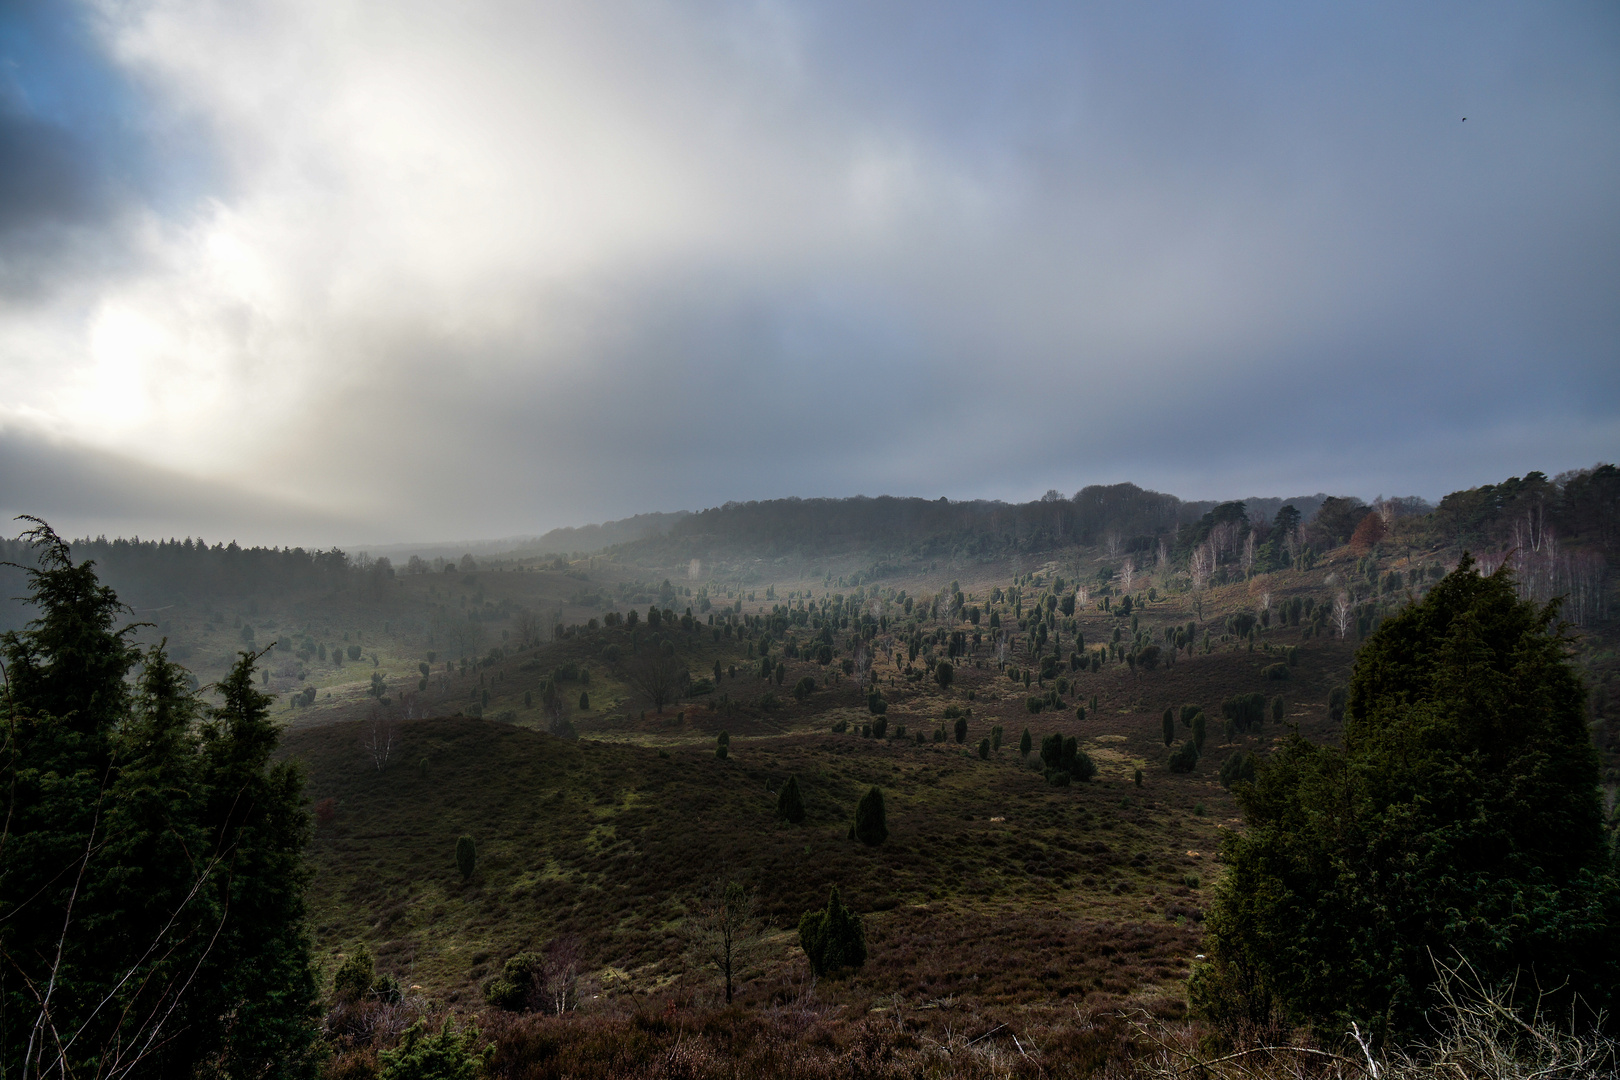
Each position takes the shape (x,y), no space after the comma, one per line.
(789,804)
(984,749)
(1065,761)
(1239,766)
(722,745)
(513,988)
(466,856)
(1052,750)
(833,938)
(423,1054)
(880,725)
(1459,819)
(1169,727)
(352,981)
(1185,758)
(1026,743)
(1247,711)
(871,820)
(1275,672)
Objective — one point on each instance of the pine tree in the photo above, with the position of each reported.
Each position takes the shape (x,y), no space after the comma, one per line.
(260,969)
(169,834)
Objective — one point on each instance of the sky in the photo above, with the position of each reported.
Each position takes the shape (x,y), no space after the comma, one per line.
(328,271)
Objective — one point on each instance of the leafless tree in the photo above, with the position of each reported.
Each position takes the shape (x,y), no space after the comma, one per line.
(380,736)
(1164,554)
(1343,609)
(1583,576)
(556,985)
(528,631)
(464,636)
(1202,564)
(863,663)
(1127,573)
(656,674)
(723,928)
(1112,541)
(1224,538)
(1248,553)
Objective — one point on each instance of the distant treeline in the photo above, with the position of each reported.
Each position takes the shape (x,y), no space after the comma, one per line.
(1581,506)
(1093,515)
(157,572)
(586,538)
(568,541)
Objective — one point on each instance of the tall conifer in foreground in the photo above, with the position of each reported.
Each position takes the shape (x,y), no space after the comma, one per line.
(151,867)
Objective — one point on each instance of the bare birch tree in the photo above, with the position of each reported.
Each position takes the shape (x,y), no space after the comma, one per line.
(381,732)
(1202,564)
(1343,609)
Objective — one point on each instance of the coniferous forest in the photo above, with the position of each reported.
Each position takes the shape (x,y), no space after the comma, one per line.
(1104,785)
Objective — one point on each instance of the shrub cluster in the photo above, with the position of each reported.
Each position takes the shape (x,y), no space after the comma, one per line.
(833,938)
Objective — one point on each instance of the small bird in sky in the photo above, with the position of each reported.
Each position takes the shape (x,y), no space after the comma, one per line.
(1465,119)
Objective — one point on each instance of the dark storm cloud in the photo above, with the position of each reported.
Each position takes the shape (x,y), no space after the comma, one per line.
(514,268)
(43,178)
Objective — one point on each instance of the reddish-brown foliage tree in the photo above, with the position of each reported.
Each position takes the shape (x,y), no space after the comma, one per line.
(1368,533)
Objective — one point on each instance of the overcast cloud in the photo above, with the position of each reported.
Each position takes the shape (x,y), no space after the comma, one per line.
(334,270)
